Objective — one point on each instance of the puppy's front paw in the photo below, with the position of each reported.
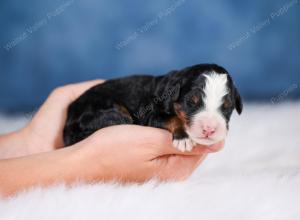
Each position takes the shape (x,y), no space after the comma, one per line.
(184,144)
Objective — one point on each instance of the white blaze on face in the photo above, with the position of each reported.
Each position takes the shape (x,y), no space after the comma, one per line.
(208,126)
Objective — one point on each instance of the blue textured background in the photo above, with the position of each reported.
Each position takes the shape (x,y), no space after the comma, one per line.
(45,44)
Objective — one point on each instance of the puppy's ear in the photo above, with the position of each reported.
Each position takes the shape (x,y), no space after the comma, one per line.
(176,92)
(180,114)
(169,92)
(172,93)
(238,101)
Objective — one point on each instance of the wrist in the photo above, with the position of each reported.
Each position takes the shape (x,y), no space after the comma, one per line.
(13,144)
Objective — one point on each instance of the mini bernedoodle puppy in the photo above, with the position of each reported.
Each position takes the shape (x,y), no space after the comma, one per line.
(194,104)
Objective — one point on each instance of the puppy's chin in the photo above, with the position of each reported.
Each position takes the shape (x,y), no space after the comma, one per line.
(206,141)
(220,135)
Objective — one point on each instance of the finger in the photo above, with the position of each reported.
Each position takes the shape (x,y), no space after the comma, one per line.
(162,143)
(79,88)
(200,149)
(68,93)
(170,149)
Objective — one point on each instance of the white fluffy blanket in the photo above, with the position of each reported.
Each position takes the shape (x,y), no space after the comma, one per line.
(256,176)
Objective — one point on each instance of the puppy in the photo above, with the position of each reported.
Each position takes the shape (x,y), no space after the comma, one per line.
(194,104)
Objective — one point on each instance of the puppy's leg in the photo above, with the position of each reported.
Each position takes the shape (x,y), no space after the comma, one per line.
(181,139)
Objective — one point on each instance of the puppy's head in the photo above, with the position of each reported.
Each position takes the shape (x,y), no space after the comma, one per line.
(206,104)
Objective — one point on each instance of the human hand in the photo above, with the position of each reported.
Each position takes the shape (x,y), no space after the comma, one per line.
(123,153)
(44,131)
(130,153)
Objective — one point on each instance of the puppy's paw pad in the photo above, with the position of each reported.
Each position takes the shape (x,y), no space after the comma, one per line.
(185,144)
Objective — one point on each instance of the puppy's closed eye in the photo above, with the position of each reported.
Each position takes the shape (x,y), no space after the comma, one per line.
(195,99)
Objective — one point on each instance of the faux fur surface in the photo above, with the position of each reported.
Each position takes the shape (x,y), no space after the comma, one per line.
(256,176)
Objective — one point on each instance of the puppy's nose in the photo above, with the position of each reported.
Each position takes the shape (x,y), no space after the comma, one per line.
(208,131)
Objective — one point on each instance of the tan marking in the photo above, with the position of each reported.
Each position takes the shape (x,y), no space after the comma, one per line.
(173,124)
(124,110)
(180,114)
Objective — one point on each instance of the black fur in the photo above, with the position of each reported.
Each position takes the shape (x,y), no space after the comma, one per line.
(144,100)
